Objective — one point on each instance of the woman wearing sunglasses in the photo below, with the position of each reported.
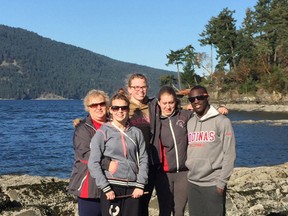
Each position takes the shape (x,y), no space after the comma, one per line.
(123,183)
(81,183)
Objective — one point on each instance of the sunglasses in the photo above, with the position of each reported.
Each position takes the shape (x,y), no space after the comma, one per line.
(198,97)
(95,105)
(123,108)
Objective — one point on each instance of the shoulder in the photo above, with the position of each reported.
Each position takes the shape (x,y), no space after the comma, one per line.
(223,121)
(222,118)
(186,113)
(134,129)
(84,125)
(152,101)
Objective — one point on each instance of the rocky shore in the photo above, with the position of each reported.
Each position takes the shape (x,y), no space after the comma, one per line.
(257,107)
(251,191)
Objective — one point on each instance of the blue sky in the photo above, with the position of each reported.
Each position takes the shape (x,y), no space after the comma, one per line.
(141,32)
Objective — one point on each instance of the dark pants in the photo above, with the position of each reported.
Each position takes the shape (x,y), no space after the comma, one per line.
(145,199)
(178,184)
(205,201)
(120,206)
(89,207)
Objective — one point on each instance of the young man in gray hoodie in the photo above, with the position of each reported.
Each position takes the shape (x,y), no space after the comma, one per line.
(210,156)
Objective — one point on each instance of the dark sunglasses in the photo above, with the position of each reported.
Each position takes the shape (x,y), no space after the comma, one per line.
(123,108)
(199,97)
(95,105)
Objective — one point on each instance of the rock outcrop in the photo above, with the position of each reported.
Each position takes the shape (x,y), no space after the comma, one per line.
(251,191)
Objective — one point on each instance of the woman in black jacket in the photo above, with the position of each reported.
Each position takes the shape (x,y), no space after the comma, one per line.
(81,183)
(170,140)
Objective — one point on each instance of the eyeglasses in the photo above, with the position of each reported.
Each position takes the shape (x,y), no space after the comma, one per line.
(95,105)
(117,108)
(137,88)
(199,97)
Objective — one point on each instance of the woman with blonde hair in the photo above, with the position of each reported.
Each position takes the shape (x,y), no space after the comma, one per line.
(82,184)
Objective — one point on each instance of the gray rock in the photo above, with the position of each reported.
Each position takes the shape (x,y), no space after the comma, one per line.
(251,191)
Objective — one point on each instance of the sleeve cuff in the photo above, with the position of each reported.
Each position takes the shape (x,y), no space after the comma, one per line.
(139,185)
(107,189)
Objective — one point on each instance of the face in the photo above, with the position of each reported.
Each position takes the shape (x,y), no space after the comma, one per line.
(167,104)
(138,89)
(199,101)
(119,110)
(97,108)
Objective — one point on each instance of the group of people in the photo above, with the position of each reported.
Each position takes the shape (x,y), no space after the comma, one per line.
(129,146)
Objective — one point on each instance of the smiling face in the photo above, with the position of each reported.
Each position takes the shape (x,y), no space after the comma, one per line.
(97,108)
(199,101)
(138,89)
(167,104)
(119,111)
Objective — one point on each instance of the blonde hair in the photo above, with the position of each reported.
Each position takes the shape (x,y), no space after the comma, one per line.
(94,93)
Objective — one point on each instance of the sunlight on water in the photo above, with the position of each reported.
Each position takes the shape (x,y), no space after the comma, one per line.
(36,137)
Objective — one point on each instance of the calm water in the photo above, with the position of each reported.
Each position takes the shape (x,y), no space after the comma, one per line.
(36,137)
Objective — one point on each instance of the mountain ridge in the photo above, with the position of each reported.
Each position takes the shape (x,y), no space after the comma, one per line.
(32,65)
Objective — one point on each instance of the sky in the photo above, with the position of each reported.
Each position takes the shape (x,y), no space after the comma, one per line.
(134,31)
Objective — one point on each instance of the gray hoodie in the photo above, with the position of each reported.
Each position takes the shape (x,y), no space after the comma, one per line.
(211,149)
(131,157)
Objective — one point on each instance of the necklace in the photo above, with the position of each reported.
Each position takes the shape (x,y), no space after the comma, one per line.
(119,128)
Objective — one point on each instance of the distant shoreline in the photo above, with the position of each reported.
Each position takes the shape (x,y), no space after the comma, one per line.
(249,107)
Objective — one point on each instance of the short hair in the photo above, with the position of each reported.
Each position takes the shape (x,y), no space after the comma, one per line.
(134,76)
(199,87)
(94,93)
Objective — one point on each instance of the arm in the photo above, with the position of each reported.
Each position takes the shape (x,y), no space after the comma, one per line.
(97,146)
(81,142)
(229,151)
(142,176)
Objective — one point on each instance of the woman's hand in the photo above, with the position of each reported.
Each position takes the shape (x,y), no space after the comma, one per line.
(110,195)
(137,193)
(223,110)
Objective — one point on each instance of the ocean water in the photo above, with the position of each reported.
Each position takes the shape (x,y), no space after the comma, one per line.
(36,137)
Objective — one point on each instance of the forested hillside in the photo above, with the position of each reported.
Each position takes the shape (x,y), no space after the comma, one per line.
(32,66)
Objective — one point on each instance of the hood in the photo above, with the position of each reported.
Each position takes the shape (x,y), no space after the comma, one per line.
(212,112)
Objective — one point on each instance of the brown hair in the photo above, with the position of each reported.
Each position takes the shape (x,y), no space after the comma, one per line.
(169,90)
(120,96)
(134,76)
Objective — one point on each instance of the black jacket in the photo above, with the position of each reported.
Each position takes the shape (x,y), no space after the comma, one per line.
(81,183)
(170,140)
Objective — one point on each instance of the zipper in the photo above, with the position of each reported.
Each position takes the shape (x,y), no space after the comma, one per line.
(175,144)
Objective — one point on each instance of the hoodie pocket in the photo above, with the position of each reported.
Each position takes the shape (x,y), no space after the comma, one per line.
(199,168)
(113,166)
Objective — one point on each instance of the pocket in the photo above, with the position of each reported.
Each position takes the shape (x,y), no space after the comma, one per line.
(199,168)
(113,166)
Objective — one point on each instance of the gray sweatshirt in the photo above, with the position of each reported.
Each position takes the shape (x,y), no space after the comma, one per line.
(130,156)
(211,149)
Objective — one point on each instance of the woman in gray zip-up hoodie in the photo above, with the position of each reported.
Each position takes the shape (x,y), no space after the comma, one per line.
(210,156)
(125,146)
